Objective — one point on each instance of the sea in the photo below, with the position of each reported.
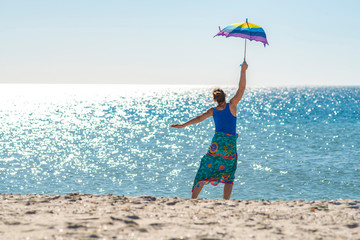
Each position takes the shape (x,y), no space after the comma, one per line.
(294,142)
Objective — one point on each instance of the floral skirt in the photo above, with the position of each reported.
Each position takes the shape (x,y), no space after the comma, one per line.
(219,163)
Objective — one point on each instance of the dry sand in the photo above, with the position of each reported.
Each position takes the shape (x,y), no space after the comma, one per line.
(85,216)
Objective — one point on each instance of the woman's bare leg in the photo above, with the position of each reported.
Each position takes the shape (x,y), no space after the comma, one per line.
(227,190)
(197,191)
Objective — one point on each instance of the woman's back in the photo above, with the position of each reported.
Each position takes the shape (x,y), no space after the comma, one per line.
(224,121)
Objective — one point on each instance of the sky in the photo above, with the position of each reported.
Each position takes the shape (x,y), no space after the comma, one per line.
(311,43)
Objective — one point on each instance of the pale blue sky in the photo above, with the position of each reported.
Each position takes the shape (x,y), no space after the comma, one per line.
(171,42)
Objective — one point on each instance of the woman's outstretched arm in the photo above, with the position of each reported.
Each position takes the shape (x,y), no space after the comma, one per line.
(242,85)
(196,119)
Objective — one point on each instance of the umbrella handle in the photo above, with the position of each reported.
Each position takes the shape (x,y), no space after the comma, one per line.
(245,40)
(245,51)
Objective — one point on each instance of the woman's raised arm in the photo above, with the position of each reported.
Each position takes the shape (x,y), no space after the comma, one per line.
(242,85)
(196,119)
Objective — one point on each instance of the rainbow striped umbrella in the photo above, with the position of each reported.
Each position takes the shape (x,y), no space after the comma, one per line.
(244,30)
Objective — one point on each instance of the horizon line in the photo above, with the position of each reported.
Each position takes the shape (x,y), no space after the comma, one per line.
(183,85)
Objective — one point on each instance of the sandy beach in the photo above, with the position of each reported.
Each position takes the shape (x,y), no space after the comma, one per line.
(86,216)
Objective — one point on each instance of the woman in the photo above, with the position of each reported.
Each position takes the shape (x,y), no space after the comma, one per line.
(219,164)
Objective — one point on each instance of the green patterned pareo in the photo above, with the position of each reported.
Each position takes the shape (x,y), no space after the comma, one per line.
(219,163)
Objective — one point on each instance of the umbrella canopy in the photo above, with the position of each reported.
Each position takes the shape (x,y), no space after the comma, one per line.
(244,30)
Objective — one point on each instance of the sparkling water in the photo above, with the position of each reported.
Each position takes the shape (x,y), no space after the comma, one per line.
(293,142)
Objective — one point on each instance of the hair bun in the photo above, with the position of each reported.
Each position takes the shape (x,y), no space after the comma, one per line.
(219,95)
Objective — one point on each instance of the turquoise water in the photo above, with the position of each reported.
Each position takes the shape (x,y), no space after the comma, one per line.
(100,139)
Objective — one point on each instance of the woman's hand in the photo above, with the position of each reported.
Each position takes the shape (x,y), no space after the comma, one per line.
(244,66)
(177,126)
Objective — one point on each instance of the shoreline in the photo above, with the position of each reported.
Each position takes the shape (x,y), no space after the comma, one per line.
(87,216)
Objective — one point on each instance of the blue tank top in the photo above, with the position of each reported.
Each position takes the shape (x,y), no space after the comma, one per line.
(224,120)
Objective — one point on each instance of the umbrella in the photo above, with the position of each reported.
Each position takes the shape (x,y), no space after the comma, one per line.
(244,30)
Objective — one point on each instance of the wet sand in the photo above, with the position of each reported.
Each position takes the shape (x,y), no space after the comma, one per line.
(85,216)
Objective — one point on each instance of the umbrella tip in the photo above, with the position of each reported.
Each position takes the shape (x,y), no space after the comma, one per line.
(246,20)
(219,29)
